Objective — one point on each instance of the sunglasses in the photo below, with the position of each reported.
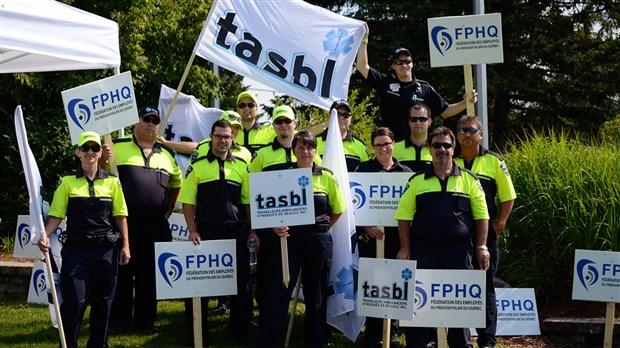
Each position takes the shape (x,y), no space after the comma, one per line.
(415,119)
(471,131)
(148,119)
(440,145)
(95,148)
(282,120)
(403,61)
(382,146)
(344,114)
(243,105)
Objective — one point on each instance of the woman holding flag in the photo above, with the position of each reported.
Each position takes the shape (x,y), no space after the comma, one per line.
(94,205)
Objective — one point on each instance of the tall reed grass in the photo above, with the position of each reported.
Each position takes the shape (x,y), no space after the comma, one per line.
(568,191)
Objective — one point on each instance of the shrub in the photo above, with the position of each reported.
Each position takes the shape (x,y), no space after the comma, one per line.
(568,198)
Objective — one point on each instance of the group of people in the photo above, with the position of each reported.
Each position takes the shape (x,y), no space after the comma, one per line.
(447,218)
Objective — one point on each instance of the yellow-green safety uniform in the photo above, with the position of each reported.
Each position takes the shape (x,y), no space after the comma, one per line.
(413,156)
(355,151)
(256,137)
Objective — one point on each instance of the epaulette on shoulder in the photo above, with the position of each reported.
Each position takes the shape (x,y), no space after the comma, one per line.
(470,172)
(240,159)
(122,140)
(423,82)
(358,139)
(69,173)
(492,153)
(327,170)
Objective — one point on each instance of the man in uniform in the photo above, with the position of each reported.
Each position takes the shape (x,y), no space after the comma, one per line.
(496,182)
(254,135)
(414,151)
(401,89)
(355,151)
(215,197)
(441,212)
(151,181)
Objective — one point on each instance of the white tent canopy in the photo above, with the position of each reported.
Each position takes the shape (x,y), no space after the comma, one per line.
(46,35)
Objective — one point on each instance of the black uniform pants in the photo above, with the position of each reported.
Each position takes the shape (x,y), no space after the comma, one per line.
(440,256)
(139,273)
(310,252)
(87,276)
(486,335)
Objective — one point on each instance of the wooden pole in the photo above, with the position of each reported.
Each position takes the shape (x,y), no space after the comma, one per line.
(609,324)
(386,321)
(177,92)
(442,333)
(286,277)
(292,317)
(107,139)
(469,86)
(50,273)
(197,322)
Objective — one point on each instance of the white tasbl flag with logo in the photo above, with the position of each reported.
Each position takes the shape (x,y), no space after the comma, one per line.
(342,292)
(298,49)
(189,121)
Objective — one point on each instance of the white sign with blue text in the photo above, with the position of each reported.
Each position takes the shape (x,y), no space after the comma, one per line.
(102,106)
(37,289)
(517,314)
(464,40)
(186,270)
(386,288)
(281,198)
(596,276)
(449,298)
(376,197)
(26,240)
(178,227)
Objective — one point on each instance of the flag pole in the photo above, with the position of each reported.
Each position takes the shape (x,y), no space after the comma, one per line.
(61,330)
(286,276)
(177,92)
(386,321)
(292,317)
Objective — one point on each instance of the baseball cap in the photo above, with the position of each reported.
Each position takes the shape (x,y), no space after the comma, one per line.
(339,103)
(89,136)
(148,110)
(398,52)
(283,111)
(232,117)
(247,94)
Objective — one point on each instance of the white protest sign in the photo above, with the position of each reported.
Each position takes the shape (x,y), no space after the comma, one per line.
(178,227)
(464,40)
(186,270)
(25,240)
(449,298)
(102,106)
(281,198)
(517,314)
(596,276)
(37,288)
(386,288)
(376,197)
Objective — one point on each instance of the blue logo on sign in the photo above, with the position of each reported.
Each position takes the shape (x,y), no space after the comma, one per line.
(169,267)
(24,235)
(38,282)
(303,181)
(420,298)
(358,195)
(337,42)
(587,273)
(441,39)
(79,112)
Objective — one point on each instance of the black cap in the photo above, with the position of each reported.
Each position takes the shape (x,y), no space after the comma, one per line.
(338,103)
(398,52)
(148,110)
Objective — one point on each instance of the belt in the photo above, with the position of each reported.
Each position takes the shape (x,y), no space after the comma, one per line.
(91,239)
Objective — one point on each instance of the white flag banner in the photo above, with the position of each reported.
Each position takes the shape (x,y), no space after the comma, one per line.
(189,121)
(35,193)
(299,49)
(342,290)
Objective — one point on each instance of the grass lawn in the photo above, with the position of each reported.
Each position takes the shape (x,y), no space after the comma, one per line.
(28,325)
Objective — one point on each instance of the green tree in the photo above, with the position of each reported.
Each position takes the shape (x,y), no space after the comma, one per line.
(156,42)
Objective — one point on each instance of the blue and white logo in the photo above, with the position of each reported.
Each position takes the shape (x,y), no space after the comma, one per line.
(587,273)
(358,194)
(38,282)
(338,42)
(24,235)
(442,40)
(303,181)
(79,112)
(169,267)
(421,298)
